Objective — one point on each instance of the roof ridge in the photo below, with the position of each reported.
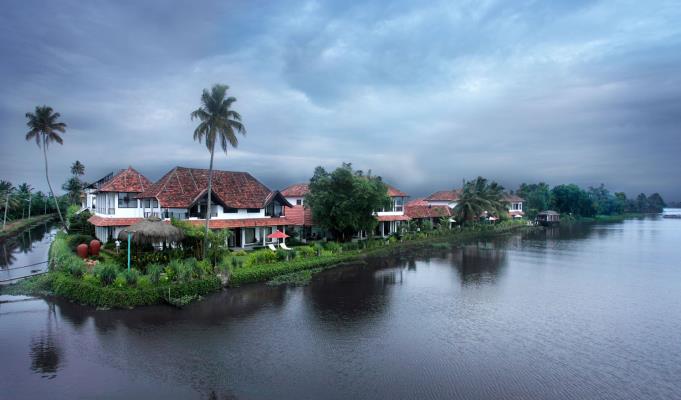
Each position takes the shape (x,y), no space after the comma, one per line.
(193,180)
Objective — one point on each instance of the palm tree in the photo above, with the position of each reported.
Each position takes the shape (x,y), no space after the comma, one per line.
(6,189)
(218,121)
(78,169)
(477,197)
(25,195)
(44,129)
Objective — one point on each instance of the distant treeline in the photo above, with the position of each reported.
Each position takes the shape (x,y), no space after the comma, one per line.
(571,199)
(674,204)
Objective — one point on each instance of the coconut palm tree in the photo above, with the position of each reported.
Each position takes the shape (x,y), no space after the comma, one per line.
(6,198)
(45,129)
(77,169)
(218,123)
(477,197)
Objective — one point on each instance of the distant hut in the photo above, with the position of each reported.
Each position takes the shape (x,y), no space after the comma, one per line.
(548,218)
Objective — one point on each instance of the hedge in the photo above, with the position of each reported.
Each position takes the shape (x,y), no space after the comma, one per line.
(87,293)
(260,273)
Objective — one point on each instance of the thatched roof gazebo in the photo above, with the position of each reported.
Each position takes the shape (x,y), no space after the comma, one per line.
(151,230)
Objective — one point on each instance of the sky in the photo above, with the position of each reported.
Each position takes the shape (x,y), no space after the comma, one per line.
(424,94)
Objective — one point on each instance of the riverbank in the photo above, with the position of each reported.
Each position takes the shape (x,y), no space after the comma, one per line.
(21,224)
(182,282)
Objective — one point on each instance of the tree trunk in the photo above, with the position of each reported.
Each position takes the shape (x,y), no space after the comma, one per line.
(4,221)
(208,210)
(30,200)
(47,176)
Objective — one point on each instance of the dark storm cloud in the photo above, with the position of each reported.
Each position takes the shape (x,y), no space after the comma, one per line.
(424,95)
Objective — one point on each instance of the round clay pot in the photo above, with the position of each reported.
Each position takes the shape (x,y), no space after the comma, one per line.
(81,250)
(94,247)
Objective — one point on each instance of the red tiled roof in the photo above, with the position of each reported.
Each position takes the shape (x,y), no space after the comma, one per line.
(516,212)
(417,202)
(181,187)
(512,198)
(394,192)
(127,180)
(296,190)
(426,211)
(96,220)
(384,218)
(445,195)
(240,223)
(299,216)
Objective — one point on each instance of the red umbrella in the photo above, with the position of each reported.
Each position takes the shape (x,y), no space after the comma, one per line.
(277,235)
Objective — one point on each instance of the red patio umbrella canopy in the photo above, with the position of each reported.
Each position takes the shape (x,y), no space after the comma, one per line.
(277,235)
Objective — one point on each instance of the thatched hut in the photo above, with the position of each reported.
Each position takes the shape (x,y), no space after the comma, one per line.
(151,230)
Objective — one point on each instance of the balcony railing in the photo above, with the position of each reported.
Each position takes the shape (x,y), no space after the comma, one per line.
(148,214)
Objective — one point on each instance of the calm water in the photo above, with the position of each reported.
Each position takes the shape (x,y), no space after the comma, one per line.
(579,312)
(26,248)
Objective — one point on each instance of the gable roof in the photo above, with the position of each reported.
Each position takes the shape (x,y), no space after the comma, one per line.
(296,190)
(426,211)
(445,195)
(394,192)
(181,187)
(512,198)
(127,180)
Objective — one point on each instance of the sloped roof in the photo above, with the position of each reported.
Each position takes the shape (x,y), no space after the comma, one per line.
(296,190)
(299,216)
(96,220)
(181,187)
(426,211)
(417,202)
(445,195)
(386,218)
(127,180)
(394,192)
(512,198)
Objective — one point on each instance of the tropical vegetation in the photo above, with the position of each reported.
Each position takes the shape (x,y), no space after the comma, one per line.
(218,122)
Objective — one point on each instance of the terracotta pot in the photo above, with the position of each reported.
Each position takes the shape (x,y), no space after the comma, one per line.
(94,247)
(81,250)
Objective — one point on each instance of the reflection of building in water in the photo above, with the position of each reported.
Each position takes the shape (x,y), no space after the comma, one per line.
(480,262)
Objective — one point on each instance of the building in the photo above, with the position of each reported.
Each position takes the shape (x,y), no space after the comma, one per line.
(239,202)
(420,210)
(447,198)
(116,204)
(548,218)
(389,219)
(88,199)
(515,206)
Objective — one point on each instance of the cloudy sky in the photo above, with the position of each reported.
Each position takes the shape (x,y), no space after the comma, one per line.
(424,94)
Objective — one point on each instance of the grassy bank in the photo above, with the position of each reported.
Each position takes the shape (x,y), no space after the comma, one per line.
(180,282)
(300,270)
(601,218)
(21,224)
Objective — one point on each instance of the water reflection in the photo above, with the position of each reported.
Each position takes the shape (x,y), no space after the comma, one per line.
(480,262)
(44,350)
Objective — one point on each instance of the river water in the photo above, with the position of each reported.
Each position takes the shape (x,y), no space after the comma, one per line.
(25,252)
(586,311)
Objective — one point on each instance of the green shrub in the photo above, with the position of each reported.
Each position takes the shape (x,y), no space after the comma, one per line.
(350,246)
(264,272)
(76,269)
(91,279)
(144,282)
(202,269)
(120,281)
(258,257)
(74,240)
(106,273)
(154,272)
(240,253)
(131,276)
(333,247)
(172,269)
(305,251)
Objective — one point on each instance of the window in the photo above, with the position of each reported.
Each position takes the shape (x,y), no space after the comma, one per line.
(127,200)
(252,210)
(230,210)
(299,202)
(249,235)
(399,201)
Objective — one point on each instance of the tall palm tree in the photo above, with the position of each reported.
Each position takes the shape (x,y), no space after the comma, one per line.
(45,129)
(479,196)
(25,195)
(218,122)
(77,169)
(6,189)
